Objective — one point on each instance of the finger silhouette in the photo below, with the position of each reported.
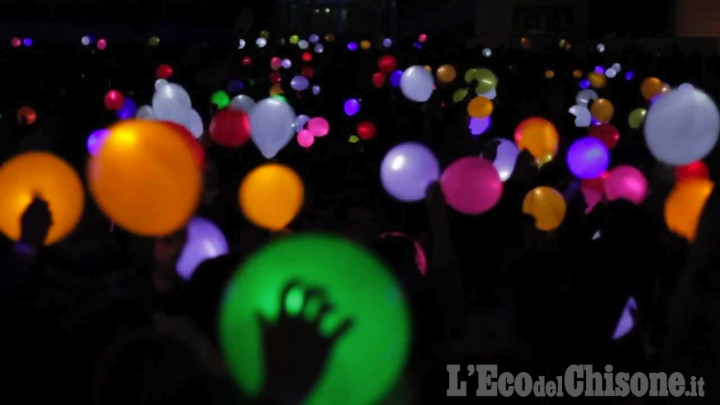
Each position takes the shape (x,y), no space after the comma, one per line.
(342,330)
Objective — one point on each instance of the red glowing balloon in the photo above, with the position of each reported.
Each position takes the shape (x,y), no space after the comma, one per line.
(26,115)
(114,100)
(275,77)
(197,149)
(387,63)
(307,56)
(378,79)
(16,42)
(247,61)
(230,128)
(308,72)
(164,71)
(607,133)
(695,170)
(366,130)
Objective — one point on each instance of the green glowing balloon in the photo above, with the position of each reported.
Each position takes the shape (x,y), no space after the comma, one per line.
(220,99)
(460,95)
(294,39)
(264,34)
(486,81)
(471,74)
(280,97)
(154,41)
(636,117)
(366,362)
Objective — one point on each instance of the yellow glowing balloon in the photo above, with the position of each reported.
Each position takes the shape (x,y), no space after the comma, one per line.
(602,110)
(539,136)
(651,87)
(48,177)
(597,80)
(480,107)
(547,206)
(577,73)
(365,44)
(271,196)
(146,177)
(685,204)
(549,74)
(446,73)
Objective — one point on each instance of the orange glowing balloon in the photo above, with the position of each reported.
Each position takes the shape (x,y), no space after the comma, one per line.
(480,107)
(577,73)
(446,73)
(549,74)
(651,87)
(547,206)
(271,196)
(685,204)
(146,177)
(48,177)
(602,110)
(539,136)
(597,80)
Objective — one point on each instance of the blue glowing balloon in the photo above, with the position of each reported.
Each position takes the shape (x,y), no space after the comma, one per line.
(478,125)
(352,107)
(629,75)
(387,42)
(506,154)
(235,86)
(299,83)
(395,77)
(204,241)
(407,170)
(352,46)
(599,70)
(300,122)
(588,158)
(128,110)
(584,83)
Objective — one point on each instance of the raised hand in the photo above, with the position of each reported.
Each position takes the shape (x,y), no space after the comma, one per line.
(35,223)
(295,351)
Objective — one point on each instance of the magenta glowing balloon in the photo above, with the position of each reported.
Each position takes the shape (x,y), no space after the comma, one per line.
(471,185)
(588,158)
(16,42)
(478,125)
(275,63)
(407,170)
(101,44)
(420,257)
(626,182)
(318,126)
(204,241)
(352,107)
(305,138)
(95,141)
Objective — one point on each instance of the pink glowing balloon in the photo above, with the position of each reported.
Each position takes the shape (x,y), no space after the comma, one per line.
(318,126)
(275,63)
(471,185)
(305,138)
(626,182)
(101,44)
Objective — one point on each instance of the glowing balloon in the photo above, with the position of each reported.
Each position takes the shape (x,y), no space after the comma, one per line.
(584,97)
(26,115)
(171,103)
(602,110)
(366,130)
(204,241)
(682,126)
(692,171)
(195,124)
(626,322)
(271,196)
(685,204)
(506,154)
(607,133)
(128,110)
(243,103)
(145,113)
(471,185)
(480,107)
(597,80)
(146,177)
(547,206)
(487,52)
(378,79)
(114,100)
(539,137)
(220,99)
(299,83)
(300,122)
(316,90)
(275,63)
(407,170)
(490,95)
(271,124)
(387,64)
(582,116)
(159,83)
(318,126)
(395,78)
(305,138)
(446,73)
(651,87)
(48,177)
(96,140)
(460,95)
(588,158)
(417,84)
(230,128)
(486,79)
(352,107)
(164,71)
(358,286)
(626,182)
(593,190)
(478,125)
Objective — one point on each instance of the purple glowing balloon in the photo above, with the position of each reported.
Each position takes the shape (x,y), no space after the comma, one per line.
(316,90)
(471,185)
(28,42)
(626,182)
(204,241)
(352,46)
(235,86)
(599,70)
(395,77)
(629,75)
(407,170)
(584,84)
(128,110)
(478,125)
(95,141)
(506,154)
(352,107)
(588,158)
(387,42)
(299,83)
(626,322)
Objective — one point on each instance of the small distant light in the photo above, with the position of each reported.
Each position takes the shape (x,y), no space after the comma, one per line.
(616,67)
(353,139)
(247,61)
(303,44)
(319,48)
(261,42)
(327,11)
(286,63)
(154,40)
(417,45)
(584,83)
(307,57)
(422,38)
(294,39)
(85,40)
(561,43)
(264,34)
(487,52)
(28,42)
(601,48)
(577,73)
(316,89)
(599,70)
(314,38)
(365,44)
(16,42)
(387,42)
(549,74)
(610,73)
(629,75)
(329,37)
(317,10)
(352,46)
(241,44)
(101,44)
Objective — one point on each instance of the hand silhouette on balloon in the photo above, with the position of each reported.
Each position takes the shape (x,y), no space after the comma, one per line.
(295,351)
(35,222)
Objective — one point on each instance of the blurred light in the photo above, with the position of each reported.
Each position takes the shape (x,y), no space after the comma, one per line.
(85,40)
(478,125)
(395,78)
(96,140)
(599,70)
(616,67)
(316,89)
(261,42)
(352,46)
(16,42)
(629,75)
(303,44)
(286,63)
(101,44)
(319,48)
(422,38)
(241,44)
(487,52)
(387,42)
(28,42)
(314,38)
(610,73)
(327,11)
(601,48)
(584,83)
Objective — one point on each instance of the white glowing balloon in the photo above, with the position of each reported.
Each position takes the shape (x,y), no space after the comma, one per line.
(417,84)
(271,126)
(583,118)
(611,73)
(487,52)
(243,103)
(601,48)
(172,103)
(159,83)
(195,124)
(505,157)
(490,95)
(682,126)
(584,96)
(145,113)
(261,42)
(616,67)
